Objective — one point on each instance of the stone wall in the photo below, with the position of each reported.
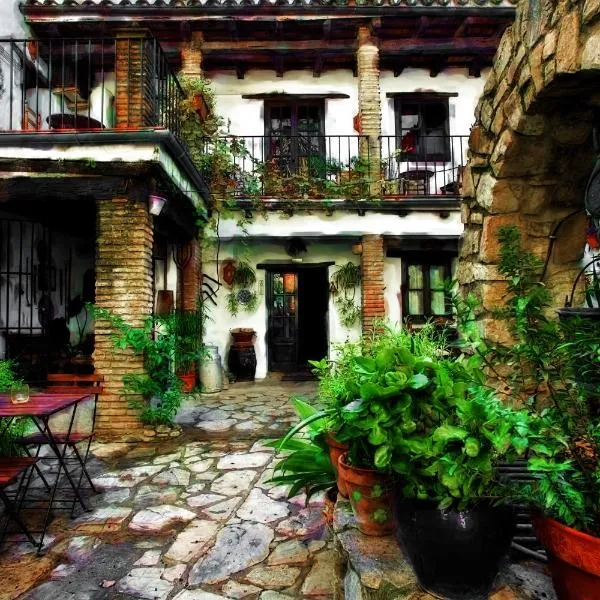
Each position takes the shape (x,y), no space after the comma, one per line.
(124,286)
(531,146)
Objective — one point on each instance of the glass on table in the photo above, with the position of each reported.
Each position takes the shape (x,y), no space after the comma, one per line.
(19,393)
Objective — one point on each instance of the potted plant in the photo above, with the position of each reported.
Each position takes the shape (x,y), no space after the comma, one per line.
(345,280)
(186,328)
(306,466)
(540,369)
(242,289)
(10,434)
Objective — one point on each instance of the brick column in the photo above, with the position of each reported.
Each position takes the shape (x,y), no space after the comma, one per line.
(124,286)
(134,85)
(369,106)
(373,304)
(191,55)
(191,277)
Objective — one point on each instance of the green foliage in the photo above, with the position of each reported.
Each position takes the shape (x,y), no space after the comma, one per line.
(244,280)
(8,445)
(169,344)
(552,367)
(345,280)
(306,465)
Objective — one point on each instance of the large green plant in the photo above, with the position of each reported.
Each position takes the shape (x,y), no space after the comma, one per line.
(306,465)
(537,366)
(166,344)
(8,439)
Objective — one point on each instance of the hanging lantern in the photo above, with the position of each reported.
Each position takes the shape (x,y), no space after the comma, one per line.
(289,283)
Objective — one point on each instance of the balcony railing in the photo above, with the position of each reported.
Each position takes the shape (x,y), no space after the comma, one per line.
(350,167)
(87,85)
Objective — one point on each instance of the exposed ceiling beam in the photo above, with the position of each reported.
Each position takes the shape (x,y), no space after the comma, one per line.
(462,28)
(327,29)
(475,69)
(424,23)
(437,67)
(398,70)
(318,68)
(240,70)
(408,46)
(279,66)
(233,30)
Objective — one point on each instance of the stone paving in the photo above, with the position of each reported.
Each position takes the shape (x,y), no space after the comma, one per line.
(190,519)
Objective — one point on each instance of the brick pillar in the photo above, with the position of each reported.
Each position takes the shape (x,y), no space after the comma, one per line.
(124,285)
(373,304)
(134,104)
(191,55)
(369,106)
(191,277)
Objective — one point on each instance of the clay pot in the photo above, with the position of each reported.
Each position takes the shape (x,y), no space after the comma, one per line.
(188,380)
(200,106)
(336,449)
(573,559)
(243,337)
(370,495)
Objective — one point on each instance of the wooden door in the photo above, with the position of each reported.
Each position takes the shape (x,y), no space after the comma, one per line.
(282,300)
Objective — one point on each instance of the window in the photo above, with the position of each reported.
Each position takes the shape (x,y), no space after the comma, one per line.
(423,295)
(294,131)
(422,127)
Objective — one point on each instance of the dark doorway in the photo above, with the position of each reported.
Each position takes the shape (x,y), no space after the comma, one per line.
(298,320)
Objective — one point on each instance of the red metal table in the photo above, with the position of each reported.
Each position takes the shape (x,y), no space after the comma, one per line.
(40,408)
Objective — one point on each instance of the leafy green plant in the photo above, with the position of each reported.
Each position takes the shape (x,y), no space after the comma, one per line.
(167,343)
(306,465)
(346,279)
(244,280)
(537,367)
(8,439)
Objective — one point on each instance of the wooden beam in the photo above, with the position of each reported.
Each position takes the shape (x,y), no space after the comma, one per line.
(240,70)
(327,29)
(279,66)
(406,46)
(475,69)
(233,30)
(398,70)
(280,96)
(424,23)
(318,68)
(437,67)
(462,28)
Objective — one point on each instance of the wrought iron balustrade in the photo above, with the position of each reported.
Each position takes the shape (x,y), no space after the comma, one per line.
(350,167)
(87,85)
(289,166)
(417,163)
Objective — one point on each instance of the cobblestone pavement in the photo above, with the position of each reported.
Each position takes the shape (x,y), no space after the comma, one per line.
(193,519)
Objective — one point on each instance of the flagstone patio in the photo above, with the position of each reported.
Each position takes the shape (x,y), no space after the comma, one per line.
(190,519)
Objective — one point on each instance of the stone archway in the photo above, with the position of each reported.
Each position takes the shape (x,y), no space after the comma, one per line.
(531,149)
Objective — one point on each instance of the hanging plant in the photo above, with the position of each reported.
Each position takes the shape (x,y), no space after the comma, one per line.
(242,294)
(344,281)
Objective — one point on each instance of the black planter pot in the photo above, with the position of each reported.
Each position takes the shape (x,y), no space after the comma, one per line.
(456,555)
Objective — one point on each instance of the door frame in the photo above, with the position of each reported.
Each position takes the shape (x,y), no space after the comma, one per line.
(290,267)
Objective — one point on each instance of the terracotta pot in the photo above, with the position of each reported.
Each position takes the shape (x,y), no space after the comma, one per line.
(200,106)
(329,506)
(188,380)
(243,337)
(370,495)
(336,449)
(573,559)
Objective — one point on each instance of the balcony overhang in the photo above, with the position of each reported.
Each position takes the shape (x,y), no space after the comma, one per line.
(296,35)
(102,156)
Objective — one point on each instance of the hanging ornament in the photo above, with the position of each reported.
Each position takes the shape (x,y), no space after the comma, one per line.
(228,270)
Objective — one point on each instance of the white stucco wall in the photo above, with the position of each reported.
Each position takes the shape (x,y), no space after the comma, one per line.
(221,321)
(12,23)
(327,239)
(246,117)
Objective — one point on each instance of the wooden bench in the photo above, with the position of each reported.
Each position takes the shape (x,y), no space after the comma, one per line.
(11,468)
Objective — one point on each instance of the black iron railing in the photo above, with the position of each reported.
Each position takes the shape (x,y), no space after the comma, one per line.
(335,166)
(87,84)
(284,166)
(415,163)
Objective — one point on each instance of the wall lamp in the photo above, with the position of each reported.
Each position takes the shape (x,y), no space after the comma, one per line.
(156,204)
